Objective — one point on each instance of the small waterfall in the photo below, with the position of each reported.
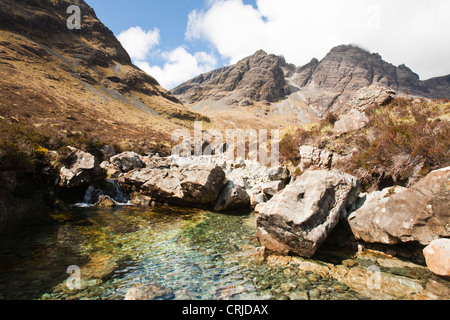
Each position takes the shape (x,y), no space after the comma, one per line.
(89,195)
(115,192)
(108,188)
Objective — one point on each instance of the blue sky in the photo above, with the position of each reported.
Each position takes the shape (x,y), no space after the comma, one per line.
(175,40)
(171,19)
(169,16)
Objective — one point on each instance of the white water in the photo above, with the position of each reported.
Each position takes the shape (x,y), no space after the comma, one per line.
(111,189)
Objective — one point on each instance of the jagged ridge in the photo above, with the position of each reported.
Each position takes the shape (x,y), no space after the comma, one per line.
(322,85)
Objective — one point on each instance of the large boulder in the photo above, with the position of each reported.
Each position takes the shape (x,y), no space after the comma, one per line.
(437,256)
(81,169)
(418,214)
(127,161)
(299,218)
(371,96)
(232,197)
(185,185)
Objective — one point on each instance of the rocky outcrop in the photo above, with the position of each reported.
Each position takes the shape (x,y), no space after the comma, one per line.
(81,169)
(320,86)
(371,96)
(300,218)
(418,214)
(185,185)
(272,188)
(353,116)
(314,157)
(437,256)
(351,121)
(257,78)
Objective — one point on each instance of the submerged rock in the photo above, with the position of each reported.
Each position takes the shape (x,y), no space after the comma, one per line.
(419,213)
(149,292)
(105,202)
(300,218)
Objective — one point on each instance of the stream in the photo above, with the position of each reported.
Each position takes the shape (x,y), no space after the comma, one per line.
(192,254)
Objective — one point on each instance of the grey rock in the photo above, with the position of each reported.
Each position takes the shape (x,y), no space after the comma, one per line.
(107,151)
(272,188)
(314,157)
(127,161)
(278,173)
(351,121)
(181,185)
(232,197)
(81,169)
(418,214)
(256,199)
(299,218)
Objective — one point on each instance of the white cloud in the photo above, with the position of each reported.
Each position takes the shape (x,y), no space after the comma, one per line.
(138,42)
(180,66)
(413,32)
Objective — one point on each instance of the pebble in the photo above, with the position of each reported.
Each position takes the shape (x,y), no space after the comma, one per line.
(286,287)
(313,278)
(287,272)
(46,296)
(298,295)
(302,283)
(349,263)
(314,294)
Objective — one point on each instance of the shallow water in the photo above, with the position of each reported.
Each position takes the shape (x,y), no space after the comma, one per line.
(193,254)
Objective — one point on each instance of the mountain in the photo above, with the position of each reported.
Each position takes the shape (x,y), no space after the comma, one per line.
(72,81)
(302,94)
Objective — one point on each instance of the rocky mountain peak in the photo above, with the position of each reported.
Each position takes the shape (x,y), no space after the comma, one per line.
(259,77)
(67,79)
(308,91)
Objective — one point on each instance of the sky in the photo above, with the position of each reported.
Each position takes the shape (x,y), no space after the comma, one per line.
(176,40)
